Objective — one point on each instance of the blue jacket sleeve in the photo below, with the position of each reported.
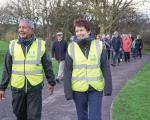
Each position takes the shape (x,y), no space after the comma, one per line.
(105,67)
(67,77)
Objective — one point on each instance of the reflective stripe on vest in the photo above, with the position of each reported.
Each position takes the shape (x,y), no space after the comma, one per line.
(27,72)
(85,66)
(88,78)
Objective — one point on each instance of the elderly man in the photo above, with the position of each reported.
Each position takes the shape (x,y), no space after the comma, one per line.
(59,50)
(25,62)
(116,48)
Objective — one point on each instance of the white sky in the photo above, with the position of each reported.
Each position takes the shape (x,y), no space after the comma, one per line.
(3,1)
(141,8)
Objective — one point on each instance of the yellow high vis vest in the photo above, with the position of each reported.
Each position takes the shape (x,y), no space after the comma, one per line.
(28,66)
(86,71)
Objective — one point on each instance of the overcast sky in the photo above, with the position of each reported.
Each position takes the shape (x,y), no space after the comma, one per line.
(3,1)
(140,8)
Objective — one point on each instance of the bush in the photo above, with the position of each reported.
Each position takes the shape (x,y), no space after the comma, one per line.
(146,40)
(10,35)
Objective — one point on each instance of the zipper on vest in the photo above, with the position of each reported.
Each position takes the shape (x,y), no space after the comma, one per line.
(26,87)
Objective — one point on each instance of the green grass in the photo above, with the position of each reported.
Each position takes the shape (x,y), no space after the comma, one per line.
(1,65)
(3,45)
(55,66)
(133,102)
(3,49)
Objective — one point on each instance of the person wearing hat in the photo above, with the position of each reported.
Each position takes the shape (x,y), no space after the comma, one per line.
(59,50)
(26,61)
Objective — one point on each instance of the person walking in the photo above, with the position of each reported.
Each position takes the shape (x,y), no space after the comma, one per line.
(25,63)
(87,73)
(116,45)
(134,49)
(126,46)
(99,37)
(59,49)
(139,45)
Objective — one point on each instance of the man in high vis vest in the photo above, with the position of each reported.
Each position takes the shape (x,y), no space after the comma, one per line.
(87,73)
(26,61)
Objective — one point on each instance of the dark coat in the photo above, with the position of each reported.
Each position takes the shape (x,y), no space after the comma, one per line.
(139,44)
(116,43)
(59,50)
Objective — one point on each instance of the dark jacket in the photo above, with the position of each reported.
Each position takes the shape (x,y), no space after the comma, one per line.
(139,44)
(7,70)
(104,66)
(116,43)
(107,43)
(59,50)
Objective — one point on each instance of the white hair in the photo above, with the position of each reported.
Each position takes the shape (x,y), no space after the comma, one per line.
(29,22)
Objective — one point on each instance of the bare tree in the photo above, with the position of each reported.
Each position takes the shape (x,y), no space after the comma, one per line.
(51,16)
(108,13)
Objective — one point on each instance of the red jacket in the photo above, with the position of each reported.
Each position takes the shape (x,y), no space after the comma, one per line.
(126,44)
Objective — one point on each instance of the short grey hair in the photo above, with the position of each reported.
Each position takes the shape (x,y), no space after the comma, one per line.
(29,22)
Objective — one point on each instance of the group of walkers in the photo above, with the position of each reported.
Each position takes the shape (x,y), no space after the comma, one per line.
(122,47)
(83,66)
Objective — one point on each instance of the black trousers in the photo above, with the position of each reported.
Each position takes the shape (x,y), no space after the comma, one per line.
(140,53)
(27,106)
(108,54)
(127,56)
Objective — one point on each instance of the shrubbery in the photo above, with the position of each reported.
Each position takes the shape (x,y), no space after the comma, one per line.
(146,39)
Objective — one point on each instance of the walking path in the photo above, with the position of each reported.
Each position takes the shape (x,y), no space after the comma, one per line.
(55,107)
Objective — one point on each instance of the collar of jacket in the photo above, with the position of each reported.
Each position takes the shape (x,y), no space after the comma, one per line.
(28,41)
(84,42)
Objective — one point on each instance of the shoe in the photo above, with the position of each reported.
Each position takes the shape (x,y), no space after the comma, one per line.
(113,65)
(57,80)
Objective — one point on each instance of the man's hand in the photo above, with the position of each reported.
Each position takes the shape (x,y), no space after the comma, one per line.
(50,89)
(2,97)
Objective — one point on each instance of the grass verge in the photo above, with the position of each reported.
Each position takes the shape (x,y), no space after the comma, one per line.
(133,102)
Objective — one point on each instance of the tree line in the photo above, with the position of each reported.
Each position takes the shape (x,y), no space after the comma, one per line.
(50,16)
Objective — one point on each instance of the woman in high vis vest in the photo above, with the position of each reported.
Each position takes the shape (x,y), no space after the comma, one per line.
(25,63)
(87,73)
